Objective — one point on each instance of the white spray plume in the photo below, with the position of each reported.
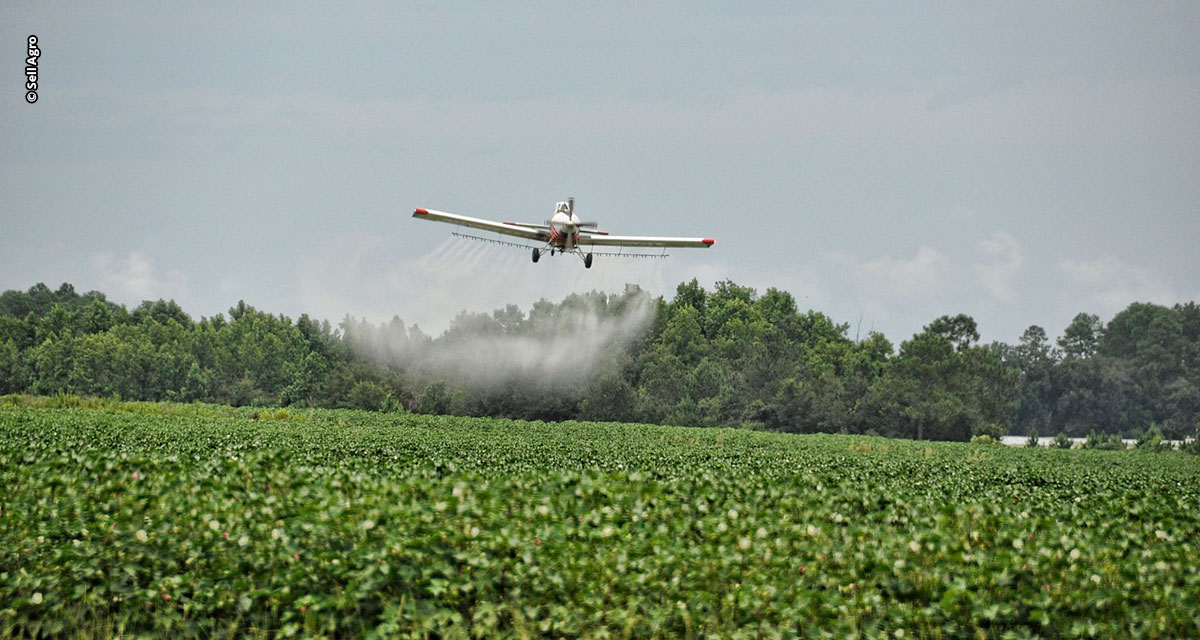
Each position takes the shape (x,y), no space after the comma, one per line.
(562,349)
(468,294)
(555,346)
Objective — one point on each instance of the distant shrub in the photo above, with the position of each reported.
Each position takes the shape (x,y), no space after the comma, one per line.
(1103,441)
(1062,441)
(1152,440)
(369,396)
(989,429)
(1032,439)
(984,438)
(63,400)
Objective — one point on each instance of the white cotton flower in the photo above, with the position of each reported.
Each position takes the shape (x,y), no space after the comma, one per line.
(1017,543)
(368,524)
(214,525)
(743,543)
(141,535)
(1074,555)
(914,546)
(37,597)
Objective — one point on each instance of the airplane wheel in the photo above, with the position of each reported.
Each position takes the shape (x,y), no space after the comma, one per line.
(536,254)
(587,261)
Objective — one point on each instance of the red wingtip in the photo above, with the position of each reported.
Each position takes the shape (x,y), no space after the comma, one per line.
(708,241)
(420,212)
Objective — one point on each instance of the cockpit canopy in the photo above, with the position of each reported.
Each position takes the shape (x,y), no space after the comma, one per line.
(562,207)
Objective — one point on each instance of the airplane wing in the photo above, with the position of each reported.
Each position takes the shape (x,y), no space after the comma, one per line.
(608,240)
(529,232)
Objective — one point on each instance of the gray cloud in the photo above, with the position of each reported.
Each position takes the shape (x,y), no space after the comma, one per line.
(1112,284)
(1000,265)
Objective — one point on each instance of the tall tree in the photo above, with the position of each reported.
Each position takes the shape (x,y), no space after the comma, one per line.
(1082,337)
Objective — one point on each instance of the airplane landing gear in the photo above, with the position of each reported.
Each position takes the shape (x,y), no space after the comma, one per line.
(536,254)
(587,261)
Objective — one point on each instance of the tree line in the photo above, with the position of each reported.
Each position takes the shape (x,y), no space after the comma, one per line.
(727,356)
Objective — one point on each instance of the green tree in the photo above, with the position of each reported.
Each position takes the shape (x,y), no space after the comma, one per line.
(370,396)
(434,398)
(1036,361)
(1082,337)
(96,317)
(51,363)
(941,385)
(960,330)
(195,385)
(14,374)
(307,380)
(609,398)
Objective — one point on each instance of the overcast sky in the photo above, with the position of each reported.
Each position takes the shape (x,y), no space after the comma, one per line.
(886,164)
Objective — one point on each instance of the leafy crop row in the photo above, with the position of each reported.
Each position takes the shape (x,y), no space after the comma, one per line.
(333,523)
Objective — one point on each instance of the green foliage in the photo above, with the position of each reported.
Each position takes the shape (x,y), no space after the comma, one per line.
(990,429)
(728,357)
(609,398)
(1152,440)
(1031,438)
(1061,441)
(1081,339)
(187,521)
(434,399)
(1111,441)
(942,387)
(369,396)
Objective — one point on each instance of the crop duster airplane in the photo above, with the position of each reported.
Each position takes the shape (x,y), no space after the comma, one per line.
(562,233)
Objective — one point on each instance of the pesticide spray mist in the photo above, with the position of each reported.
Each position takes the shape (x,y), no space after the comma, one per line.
(492,343)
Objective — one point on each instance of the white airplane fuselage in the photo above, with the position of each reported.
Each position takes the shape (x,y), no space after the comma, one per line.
(564,230)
